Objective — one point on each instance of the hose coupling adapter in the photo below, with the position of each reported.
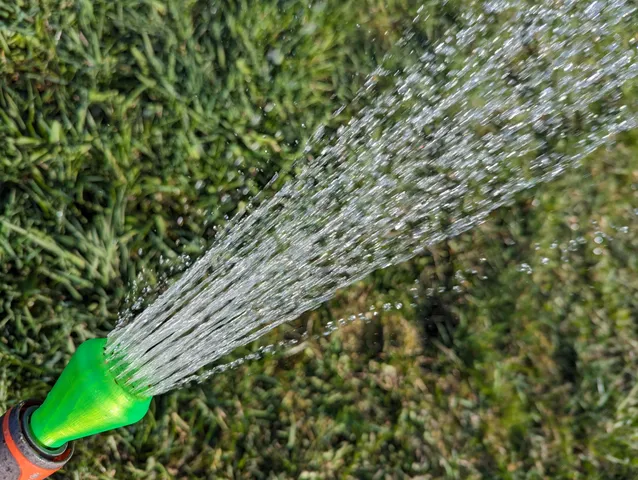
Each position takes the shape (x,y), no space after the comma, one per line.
(22,457)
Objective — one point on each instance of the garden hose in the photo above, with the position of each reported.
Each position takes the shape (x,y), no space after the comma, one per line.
(86,400)
(22,457)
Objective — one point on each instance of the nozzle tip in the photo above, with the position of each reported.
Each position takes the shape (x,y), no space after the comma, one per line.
(86,400)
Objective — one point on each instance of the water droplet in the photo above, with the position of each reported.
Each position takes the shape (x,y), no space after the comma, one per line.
(525,268)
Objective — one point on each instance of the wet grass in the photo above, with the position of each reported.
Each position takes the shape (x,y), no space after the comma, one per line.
(128,132)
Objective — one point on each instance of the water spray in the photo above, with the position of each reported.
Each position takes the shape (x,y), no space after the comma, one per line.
(36,440)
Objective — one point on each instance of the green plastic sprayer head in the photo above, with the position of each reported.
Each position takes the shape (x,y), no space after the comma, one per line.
(86,400)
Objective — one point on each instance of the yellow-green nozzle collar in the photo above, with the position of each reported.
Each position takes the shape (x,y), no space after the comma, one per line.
(86,400)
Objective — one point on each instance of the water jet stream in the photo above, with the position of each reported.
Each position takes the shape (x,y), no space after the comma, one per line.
(478,118)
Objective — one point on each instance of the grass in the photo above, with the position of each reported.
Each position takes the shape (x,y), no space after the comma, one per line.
(130,130)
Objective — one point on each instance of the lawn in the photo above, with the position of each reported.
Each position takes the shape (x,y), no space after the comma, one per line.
(130,131)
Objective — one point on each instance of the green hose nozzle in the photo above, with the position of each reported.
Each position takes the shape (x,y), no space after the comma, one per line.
(86,400)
